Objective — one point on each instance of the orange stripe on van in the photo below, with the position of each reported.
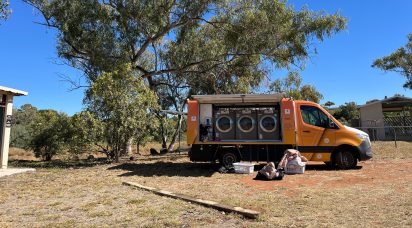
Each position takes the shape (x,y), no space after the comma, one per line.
(288,121)
(192,121)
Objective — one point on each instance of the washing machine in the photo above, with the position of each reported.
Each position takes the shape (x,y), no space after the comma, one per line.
(268,124)
(246,128)
(224,124)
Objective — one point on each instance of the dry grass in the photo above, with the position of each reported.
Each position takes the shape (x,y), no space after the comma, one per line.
(377,194)
(21,154)
(392,150)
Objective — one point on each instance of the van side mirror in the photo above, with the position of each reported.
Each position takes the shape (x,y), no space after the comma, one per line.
(332,125)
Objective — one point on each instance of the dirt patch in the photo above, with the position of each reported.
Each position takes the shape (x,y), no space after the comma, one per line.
(370,173)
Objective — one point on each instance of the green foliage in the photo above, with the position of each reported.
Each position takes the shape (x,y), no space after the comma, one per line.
(347,112)
(329,104)
(219,46)
(24,115)
(22,118)
(48,131)
(4,10)
(399,61)
(19,136)
(122,102)
(84,131)
(291,87)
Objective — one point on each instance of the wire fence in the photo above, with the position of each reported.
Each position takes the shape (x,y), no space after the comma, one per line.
(389,133)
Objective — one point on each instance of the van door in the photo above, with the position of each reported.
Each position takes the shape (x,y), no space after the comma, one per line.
(316,134)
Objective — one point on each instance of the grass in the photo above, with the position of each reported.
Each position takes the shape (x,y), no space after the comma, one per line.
(378,193)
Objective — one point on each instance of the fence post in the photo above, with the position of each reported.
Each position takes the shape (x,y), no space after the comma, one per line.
(396,145)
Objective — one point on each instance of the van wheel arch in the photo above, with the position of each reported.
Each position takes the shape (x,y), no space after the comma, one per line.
(345,157)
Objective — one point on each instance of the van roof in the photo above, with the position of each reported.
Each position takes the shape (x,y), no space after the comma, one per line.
(238,98)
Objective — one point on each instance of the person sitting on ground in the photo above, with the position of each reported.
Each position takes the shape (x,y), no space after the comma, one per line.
(291,154)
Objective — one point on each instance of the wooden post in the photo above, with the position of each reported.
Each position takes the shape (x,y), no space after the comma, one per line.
(207,203)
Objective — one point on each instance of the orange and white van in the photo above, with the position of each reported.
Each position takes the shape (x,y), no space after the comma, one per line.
(260,127)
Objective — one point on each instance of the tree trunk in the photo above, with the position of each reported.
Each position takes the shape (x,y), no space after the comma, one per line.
(128,149)
(163,133)
(164,141)
(48,157)
(138,147)
(176,133)
(116,151)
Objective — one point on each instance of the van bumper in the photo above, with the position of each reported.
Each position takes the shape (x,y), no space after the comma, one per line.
(365,150)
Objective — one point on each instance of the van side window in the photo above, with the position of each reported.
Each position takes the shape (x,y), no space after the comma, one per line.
(314,116)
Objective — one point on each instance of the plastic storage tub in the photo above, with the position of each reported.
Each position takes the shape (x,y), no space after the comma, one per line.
(246,168)
(295,168)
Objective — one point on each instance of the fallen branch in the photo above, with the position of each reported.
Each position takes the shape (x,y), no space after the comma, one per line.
(207,203)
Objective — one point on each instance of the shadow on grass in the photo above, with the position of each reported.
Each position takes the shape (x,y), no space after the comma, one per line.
(317,167)
(322,167)
(169,156)
(62,164)
(185,169)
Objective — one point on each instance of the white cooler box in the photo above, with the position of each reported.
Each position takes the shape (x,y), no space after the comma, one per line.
(295,167)
(244,167)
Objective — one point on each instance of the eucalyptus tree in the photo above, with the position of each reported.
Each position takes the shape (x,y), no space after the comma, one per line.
(4,10)
(347,112)
(47,134)
(292,86)
(399,61)
(122,103)
(85,132)
(186,47)
(22,118)
(329,104)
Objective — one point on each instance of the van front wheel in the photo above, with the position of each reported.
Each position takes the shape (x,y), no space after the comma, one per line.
(345,159)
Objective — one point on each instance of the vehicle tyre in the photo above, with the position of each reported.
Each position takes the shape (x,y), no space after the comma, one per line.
(345,159)
(227,158)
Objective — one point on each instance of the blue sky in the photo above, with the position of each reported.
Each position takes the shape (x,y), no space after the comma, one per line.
(340,70)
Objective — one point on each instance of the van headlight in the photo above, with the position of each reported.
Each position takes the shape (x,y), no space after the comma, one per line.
(362,136)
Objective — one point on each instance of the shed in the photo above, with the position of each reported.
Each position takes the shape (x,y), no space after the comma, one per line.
(6,108)
(388,119)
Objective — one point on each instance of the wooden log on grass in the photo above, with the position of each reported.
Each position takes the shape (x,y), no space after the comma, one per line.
(207,203)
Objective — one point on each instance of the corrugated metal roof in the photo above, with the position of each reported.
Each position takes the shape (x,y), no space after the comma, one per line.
(393,99)
(14,92)
(238,98)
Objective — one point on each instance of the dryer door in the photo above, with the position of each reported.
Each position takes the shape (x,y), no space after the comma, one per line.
(246,124)
(268,123)
(224,124)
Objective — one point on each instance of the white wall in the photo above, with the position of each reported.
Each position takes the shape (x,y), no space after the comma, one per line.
(372,116)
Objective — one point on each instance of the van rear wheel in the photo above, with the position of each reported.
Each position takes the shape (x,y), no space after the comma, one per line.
(227,158)
(345,159)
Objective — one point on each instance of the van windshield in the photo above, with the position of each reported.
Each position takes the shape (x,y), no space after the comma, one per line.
(314,116)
